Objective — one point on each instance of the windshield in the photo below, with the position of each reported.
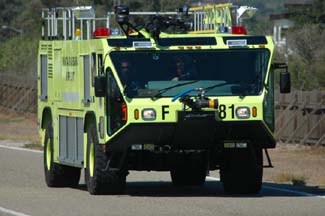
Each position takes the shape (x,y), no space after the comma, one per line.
(166,73)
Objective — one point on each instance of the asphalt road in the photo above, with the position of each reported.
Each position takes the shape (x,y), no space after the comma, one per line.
(23,192)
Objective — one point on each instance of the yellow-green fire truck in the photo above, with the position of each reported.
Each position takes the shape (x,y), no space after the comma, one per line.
(185,95)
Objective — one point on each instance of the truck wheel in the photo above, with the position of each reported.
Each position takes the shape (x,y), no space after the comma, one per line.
(189,170)
(57,175)
(242,171)
(100,179)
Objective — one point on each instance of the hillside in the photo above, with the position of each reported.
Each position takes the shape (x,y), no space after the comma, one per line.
(21,24)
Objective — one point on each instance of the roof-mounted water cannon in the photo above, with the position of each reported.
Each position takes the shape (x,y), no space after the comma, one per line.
(122,18)
(122,14)
(169,24)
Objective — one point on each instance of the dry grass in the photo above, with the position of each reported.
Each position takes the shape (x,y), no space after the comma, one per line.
(290,178)
(18,127)
(297,164)
(34,146)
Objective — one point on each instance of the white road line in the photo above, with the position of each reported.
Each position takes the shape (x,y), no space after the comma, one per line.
(21,149)
(294,191)
(301,193)
(11,212)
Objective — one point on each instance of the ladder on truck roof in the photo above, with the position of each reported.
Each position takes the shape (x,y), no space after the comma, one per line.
(78,23)
(219,18)
(62,22)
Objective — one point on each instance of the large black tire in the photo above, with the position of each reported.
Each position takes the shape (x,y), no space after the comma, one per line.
(57,175)
(189,170)
(242,170)
(99,177)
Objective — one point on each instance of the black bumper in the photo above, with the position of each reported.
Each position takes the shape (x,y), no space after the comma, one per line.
(192,133)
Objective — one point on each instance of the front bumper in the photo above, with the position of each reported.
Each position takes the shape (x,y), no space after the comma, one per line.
(191,132)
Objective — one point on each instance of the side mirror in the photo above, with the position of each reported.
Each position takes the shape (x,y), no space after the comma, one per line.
(285,82)
(100,86)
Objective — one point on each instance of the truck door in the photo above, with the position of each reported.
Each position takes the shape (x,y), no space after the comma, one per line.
(116,106)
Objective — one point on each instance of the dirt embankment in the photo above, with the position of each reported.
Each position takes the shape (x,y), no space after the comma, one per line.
(18,128)
(297,164)
(292,163)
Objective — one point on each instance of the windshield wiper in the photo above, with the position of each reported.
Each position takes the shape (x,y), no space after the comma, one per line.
(219,85)
(161,91)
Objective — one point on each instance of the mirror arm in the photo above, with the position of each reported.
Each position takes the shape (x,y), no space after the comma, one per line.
(279,65)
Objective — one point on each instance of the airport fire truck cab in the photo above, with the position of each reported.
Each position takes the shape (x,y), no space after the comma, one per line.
(184,95)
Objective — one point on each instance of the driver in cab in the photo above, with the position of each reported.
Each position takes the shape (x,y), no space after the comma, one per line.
(184,70)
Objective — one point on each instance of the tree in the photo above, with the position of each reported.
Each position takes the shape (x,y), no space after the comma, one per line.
(311,14)
(9,9)
(306,42)
(306,56)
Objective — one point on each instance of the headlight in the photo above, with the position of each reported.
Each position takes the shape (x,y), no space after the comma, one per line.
(148,114)
(242,112)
